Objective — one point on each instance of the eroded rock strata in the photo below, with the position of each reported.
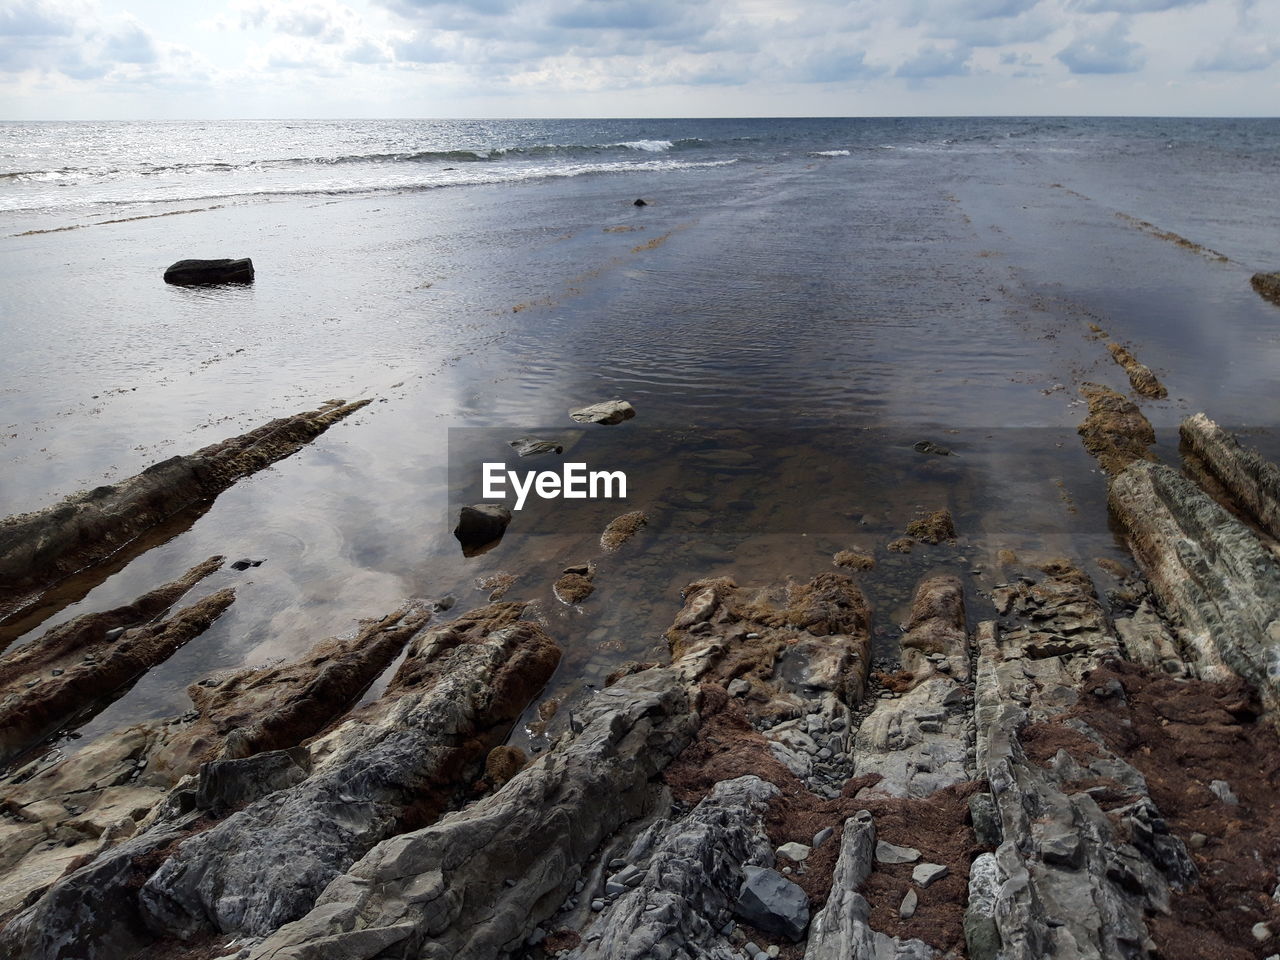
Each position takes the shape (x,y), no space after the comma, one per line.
(1251,481)
(37,549)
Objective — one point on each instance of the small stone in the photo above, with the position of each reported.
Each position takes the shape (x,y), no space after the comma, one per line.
(773,950)
(822,836)
(750,949)
(113,635)
(930,726)
(753,636)
(246,563)
(794,851)
(926,873)
(1197,841)
(612,889)
(617,863)
(57,671)
(1261,932)
(824,754)
(1222,790)
(739,687)
(443,604)
(908,908)
(892,853)
(597,905)
(727,929)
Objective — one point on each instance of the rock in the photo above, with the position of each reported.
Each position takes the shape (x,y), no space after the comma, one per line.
(739,687)
(409,889)
(1267,285)
(772,903)
(986,821)
(575,584)
(39,548)
(1115,431)
(1209,571)
(480,526)
(901,545)
(621,529)
(503,763)
(444,603)
(842,928)
(892,853)
(1141,378)
(926,873)
(228,785)
(206,272)
(928,446)
(1197,841)
(532,446)
(907,909)
(692,880)
(822,836)
(607,412)
(640,203)
(1251,479)
(794,851)
(936,527)
(853,560)
(981,933)
(246,563)
(403,755)
(82,687)
(1261,932)
(1222,790)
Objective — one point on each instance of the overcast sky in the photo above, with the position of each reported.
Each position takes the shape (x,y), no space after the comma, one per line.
(126,59)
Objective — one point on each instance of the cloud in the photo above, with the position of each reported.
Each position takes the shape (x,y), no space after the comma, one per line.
(935,61)
(131,45)
(1103,50)
(1132,6)
(35,19)
(1241,55)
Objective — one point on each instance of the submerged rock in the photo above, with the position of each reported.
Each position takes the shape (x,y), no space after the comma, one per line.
(206,272)
(928,446)
(1115,431)
(621,529)
(575,584)
(1141,378)
(480,526)
(1267,285)
(532,446)
(37,549)
(607,412)
(936,527)
(853,560)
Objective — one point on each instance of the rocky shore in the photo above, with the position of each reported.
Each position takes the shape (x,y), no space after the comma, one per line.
(1045,771)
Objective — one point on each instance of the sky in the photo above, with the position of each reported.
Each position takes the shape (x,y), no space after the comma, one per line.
(170,59)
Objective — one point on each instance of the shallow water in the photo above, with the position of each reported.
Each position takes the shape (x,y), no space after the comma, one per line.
(786,326)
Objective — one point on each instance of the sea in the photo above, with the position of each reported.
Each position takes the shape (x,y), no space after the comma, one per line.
(795,306)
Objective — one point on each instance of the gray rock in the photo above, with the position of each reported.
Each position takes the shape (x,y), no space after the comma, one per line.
(981,934)
(607,412)
(441,889)
(794,851)
(892,853)
(1254,481)
(907,909)
(822,836)
(739,687)
(227,785)
(1222,790)
(772,903)
(265,865)
(986,821)
(532,446)
(926,873)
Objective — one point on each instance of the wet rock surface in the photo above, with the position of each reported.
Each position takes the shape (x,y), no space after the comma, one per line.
(37,549)
(623,528)
(480,526)
(1252,481)
(1143,381)
(607,412)
(206,272)
(1115,431)
(1267,285)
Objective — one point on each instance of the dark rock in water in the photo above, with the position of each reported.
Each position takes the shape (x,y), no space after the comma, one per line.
(640,203)
(444,603)
(246,563)
(928,446)
(227,785)
(1267,285)
(532,446)
(607,412)
(575,584)
(771,902)
(481,525)
(201,272)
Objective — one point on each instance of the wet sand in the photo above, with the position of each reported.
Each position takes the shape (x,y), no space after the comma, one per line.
(786,333)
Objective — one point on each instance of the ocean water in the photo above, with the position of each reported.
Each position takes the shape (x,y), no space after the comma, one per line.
(799,302)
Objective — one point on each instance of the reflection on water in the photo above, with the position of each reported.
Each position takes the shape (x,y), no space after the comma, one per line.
(802,325)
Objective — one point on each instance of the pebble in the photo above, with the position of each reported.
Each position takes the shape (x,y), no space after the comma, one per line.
(1261,932)
(114,634)
(57,671)
(773,950)
(1222,790)
(1197,841)
(824,754)
(597,905)
(612,889)
(892,853)
(617,864)
(822,836)
(750,949)
(908,908)
(794,851)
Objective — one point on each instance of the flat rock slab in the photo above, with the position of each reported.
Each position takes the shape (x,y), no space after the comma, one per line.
(892,853)
(925,873)
(608,412)
(532,446)
(481,525)
(191,273)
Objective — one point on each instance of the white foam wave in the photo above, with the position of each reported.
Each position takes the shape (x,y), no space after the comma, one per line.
(830,153)
(648,146)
